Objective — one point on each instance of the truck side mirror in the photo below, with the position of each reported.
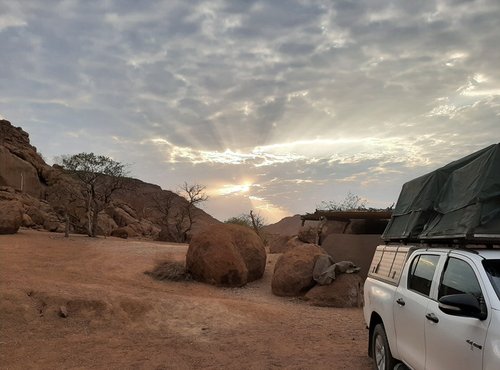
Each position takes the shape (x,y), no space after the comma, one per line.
(463,305)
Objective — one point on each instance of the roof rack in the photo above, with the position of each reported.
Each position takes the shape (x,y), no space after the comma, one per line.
(449,243)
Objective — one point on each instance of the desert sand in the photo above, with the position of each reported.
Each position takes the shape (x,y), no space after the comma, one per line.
(119,318)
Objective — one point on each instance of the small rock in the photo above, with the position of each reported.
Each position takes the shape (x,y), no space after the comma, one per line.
(63,311)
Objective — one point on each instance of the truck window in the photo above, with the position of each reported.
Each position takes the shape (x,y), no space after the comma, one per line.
(492,268)
(459,278)
(422,270)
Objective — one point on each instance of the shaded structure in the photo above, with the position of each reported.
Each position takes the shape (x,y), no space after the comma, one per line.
(350,235)
(378,219)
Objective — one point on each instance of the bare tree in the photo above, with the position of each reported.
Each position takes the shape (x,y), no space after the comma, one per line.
(195,195)
(351,202)
(68,199)
(66,196)
(257,222)
(179,210)
(101,177)
(251,220)
(163,203)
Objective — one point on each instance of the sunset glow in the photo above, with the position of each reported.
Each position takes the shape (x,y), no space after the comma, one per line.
(234,189)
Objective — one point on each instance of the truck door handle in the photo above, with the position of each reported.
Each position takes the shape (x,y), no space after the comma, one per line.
(432,317)
(401,302)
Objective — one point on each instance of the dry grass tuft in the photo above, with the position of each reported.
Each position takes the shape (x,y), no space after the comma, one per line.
(170,270)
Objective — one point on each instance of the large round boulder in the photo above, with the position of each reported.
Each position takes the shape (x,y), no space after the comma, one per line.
(11,216)
(293,272)
(226,255)
(345,291)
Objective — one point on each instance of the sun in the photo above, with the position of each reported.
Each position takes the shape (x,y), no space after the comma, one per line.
(233,189)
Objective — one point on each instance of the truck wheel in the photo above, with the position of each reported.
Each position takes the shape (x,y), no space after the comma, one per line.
(382,358)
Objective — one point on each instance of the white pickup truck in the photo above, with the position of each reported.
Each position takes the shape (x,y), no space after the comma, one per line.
(434,308)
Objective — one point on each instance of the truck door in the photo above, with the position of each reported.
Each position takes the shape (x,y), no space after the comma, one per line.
(455,342)
(410,307)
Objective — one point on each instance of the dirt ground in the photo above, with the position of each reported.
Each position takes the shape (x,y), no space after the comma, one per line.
(120,318)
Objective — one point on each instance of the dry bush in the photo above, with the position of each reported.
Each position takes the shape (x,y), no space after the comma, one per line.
(170,270)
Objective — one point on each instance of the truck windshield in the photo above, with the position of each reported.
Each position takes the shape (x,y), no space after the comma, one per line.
(492,267)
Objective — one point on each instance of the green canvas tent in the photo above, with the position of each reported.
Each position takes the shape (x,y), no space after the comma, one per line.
(460,201)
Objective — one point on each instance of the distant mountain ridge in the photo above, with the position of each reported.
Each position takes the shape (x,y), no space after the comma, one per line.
(26,178)
(286,226)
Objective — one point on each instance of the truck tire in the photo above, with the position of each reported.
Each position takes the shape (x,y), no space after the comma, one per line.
(382,358)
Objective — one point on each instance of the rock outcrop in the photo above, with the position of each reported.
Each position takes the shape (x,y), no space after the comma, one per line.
(226,255)
(49,196)
(293,272)
(21,167)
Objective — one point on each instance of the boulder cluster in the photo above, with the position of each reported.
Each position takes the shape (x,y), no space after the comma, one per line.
(233,255)
(296,274)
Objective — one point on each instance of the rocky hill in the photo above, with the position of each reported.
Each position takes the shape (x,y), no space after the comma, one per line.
(287,226)
(31,188)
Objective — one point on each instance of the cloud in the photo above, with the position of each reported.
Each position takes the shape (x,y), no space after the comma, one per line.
(7,21)
(258,157)
(311,152)
(307,99)
(12,16)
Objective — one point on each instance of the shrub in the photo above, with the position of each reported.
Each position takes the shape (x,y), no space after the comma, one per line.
(170,270)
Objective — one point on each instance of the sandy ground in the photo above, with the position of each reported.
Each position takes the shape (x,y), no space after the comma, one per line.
(120,318)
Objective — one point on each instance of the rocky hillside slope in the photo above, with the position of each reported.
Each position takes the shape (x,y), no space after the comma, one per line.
(27,183)
(287,226)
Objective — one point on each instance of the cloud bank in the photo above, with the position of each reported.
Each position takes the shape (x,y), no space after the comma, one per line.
(282,104)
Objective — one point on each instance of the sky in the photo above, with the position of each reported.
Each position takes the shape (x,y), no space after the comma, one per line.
(274,106)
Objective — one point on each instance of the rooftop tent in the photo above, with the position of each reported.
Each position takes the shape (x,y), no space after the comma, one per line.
(458,201)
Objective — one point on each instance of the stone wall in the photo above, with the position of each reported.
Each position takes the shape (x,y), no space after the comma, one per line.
(351,247)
